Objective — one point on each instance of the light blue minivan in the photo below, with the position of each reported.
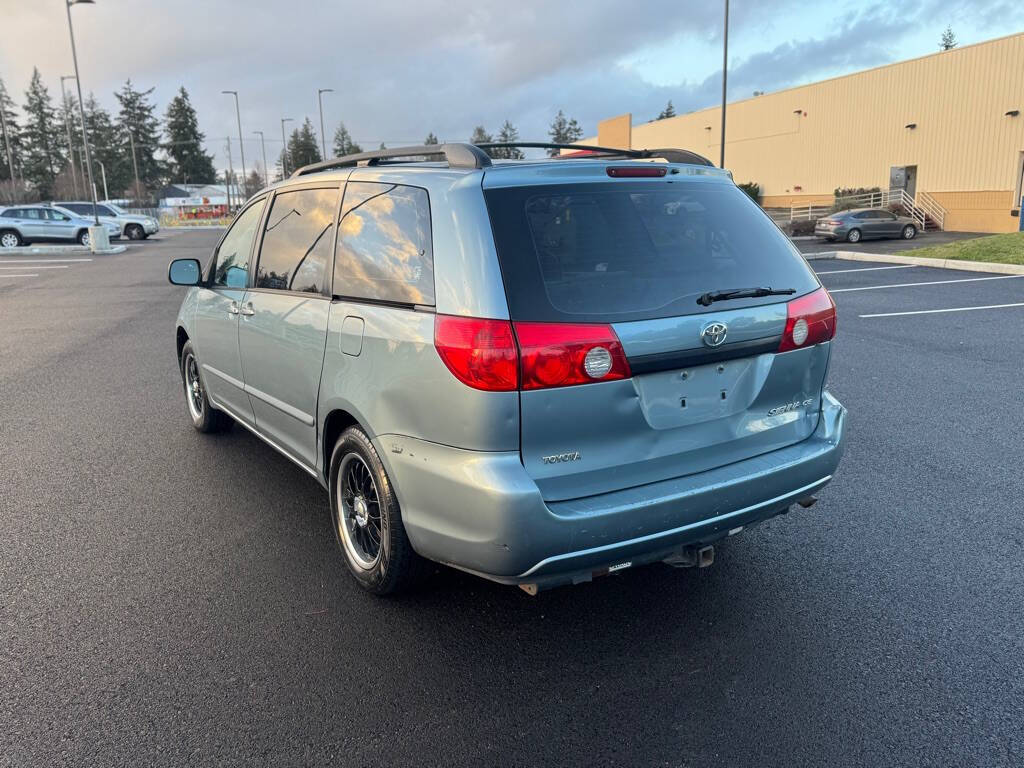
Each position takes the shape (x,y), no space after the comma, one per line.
(537,371)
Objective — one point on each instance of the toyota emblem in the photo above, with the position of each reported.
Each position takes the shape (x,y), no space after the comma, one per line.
(713,334)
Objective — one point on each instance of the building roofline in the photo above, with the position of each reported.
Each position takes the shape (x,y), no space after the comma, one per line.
(951,51)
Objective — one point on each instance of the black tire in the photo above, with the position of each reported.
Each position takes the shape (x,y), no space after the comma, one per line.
(395,566)
(83,237)
(909,232)
(853,236)
(205,418)
(6,234)
(135,232)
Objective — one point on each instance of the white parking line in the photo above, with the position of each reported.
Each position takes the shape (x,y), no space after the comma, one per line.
(37,261)
(865,269)
(26,275)
(930,282)
(938,311)
(57,266)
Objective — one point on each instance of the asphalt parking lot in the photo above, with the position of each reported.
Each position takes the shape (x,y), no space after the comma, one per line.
(815,245)
(168,598)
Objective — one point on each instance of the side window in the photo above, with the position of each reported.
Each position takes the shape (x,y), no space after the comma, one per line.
(11,213)
(104,211)
(384,250)
(296,247)
(78,207)
(231,268)
(57,215)
(32,213)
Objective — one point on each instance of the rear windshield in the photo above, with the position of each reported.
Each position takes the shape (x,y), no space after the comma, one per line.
(618,251)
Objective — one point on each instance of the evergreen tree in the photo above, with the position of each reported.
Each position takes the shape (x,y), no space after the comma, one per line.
(508,134)
(303,146)
(668,111)
(948,40)
(137,117)
(105,147)
(480,136)
(253,182)
(188,162)
(563,131)
(343,144)
(8,107)
(41,135)
(431,140)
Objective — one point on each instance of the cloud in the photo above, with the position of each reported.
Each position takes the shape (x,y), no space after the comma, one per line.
(399,70)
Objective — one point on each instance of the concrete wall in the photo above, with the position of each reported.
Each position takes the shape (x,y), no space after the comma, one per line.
(802,143)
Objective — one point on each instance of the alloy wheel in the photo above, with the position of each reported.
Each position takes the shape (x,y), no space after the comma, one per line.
(9,240)
(193,388)
(359,520)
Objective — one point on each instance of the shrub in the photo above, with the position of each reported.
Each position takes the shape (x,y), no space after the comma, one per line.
(753,189)
(798,228)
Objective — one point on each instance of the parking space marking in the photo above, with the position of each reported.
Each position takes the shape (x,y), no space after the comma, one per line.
(930,282)
(36,274)
(939,311)
(865,269)
(37,261)
(55,266)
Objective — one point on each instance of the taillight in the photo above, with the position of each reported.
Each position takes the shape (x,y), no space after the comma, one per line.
(564,354)
(811,319)
(481,353)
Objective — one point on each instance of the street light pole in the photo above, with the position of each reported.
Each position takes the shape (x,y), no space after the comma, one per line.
(67,126)
(320,99)
(81,110)
(10,162)
(725,76)
(241,145)
(284,152)
(263,147)
(103,173)
(231,175)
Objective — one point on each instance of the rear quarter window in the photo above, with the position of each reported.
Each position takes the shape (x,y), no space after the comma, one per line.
(613,252)
(384,250)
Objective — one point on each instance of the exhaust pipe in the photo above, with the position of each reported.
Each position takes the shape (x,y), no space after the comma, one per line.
(692,557)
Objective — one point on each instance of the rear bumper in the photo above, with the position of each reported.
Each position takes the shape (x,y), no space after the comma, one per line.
(482,513)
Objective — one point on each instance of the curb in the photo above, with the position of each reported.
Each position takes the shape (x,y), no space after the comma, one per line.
(57,250)
(885,258)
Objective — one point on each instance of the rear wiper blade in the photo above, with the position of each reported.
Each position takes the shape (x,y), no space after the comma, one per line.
(709,298)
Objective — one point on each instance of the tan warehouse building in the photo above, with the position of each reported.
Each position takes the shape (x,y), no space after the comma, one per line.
(948,128)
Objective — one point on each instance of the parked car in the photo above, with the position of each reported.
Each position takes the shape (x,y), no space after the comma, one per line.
(130,225)
(42,223)
(864,224)
(536,371)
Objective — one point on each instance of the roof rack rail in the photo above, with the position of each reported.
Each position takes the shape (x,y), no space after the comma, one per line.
(457,155)
(668,154)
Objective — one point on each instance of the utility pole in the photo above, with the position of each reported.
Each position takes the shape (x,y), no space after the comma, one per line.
(10,162)
(320,99)
(135,163)
(725,76)
(263,147)
(241,144)
(67,126)
(284,152)
(81,113)
(231,173)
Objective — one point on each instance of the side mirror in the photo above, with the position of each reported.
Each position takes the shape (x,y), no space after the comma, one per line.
(184,272)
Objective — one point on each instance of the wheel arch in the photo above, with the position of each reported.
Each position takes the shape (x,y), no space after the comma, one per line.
(336,422)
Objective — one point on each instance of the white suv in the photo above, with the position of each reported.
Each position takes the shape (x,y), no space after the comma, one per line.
(130,225)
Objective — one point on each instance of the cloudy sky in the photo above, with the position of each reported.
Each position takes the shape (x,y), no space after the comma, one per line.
(400,70)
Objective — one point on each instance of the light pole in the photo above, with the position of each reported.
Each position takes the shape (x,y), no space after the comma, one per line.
(103,173)
(10,162)
(725,76)
(284,152)
(263,147)
(135,162)
(241,145)
(81,112)
(67,126)
(320,99)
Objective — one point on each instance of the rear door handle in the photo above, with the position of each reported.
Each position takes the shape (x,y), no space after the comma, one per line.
(247,309)
(233,308)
